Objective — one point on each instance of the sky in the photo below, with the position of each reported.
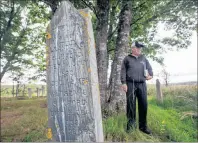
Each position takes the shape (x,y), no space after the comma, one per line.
(181,65)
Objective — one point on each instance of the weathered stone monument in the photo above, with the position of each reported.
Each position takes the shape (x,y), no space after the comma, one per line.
(74,112)
(159,91)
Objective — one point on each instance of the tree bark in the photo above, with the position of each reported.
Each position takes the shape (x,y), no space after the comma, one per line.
(117,98)
(101,46)
(5,68)
(111,24)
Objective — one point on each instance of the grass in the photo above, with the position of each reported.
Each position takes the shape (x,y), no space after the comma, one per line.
(164,123)
(167,123)
(26,120)
(164,119)
(114,130)
(23,120)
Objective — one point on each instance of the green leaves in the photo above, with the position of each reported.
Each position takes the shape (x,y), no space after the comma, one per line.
(178,16)
(22,34)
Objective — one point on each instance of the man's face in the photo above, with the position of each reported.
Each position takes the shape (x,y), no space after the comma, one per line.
(136,51)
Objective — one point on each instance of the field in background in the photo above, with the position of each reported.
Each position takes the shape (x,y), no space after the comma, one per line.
(6,90)
(173,120)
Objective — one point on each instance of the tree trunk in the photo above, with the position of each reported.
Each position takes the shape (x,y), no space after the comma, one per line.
(112,20)
(117,98)
(101,46)
(5,68)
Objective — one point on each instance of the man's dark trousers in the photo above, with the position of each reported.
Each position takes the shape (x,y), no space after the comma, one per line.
(139,90)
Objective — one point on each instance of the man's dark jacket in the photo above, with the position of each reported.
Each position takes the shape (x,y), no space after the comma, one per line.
(132,69)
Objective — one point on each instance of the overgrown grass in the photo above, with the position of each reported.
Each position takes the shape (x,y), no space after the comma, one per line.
(166,120)
(23,120)
(167,123)
(180,98)
(114,130)
(26,120)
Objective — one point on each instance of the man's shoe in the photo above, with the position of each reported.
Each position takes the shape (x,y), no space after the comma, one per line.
(145,130)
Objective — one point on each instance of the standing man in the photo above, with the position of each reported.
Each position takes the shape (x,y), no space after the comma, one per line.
(135,70)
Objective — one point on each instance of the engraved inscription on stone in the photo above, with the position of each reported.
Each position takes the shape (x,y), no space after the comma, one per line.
(70,103)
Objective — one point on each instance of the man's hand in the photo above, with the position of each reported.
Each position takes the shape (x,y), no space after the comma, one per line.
(124,87)
(149,77)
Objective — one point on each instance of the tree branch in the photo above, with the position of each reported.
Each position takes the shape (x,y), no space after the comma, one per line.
(138,19)
(110,35)
(91,7)
(139,6)
(11,58)
(53,4)
(159,13)
(5,68)
(8,27)
(111,50)
(118,1)
(9,21)
(110,32)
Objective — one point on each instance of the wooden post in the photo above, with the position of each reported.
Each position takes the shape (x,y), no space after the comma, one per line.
(159,91)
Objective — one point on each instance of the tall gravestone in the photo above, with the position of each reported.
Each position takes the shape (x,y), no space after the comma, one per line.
(74,112)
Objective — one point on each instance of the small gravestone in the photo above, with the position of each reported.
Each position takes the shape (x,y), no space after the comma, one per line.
(29,92)
(74,112)
(38,92)
(159,91)
(43,90)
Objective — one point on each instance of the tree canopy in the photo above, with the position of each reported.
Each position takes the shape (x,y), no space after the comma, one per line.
(23,25)
(22,34)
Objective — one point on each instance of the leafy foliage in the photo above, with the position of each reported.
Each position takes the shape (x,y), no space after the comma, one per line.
(23,26)
(147,15)
(177,16)
(22,35)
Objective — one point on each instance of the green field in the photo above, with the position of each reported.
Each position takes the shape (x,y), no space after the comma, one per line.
(173,120)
